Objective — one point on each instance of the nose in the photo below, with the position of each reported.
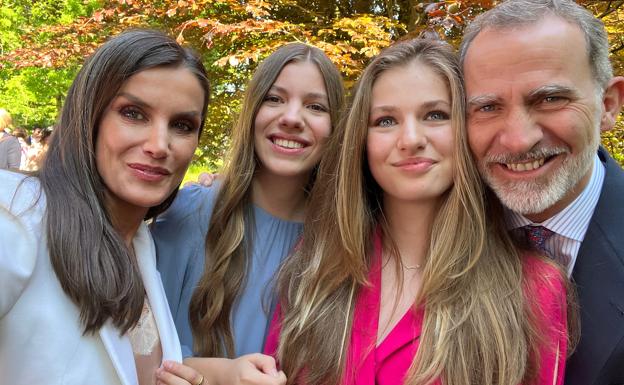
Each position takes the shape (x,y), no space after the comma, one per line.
(412,136)
(292,117)
(520,132)
(156,143)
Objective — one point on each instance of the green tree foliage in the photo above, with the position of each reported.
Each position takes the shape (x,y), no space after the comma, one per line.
(44,42)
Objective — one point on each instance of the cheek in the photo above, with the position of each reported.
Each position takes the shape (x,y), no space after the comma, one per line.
(184,149)
(322,127)
(259,125)
(477,139)
(576,127)
(376,152)
(262,119)
(105,150)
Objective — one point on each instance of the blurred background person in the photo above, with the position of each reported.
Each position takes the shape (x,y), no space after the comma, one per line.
(22,138)
(10,150)
(38,147)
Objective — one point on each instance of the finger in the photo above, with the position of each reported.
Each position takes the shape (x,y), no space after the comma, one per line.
(164,377)
(281,378)
(264,363)
(206,179)
(183,371)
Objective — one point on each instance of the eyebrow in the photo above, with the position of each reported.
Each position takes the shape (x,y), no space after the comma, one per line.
(436,103)
(141,103)
(550,90)
(482,100)
(311,95)
(426,105)
(383,109)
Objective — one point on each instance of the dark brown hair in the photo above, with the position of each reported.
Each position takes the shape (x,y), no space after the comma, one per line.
(94,266)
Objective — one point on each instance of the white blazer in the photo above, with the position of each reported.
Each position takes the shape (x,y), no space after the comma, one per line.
(41,340)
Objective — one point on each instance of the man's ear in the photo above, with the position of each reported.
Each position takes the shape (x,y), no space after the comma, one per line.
(612,102)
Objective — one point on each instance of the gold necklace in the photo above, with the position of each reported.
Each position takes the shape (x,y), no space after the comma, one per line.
(415,267)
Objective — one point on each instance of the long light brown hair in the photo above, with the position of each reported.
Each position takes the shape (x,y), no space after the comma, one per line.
(478,328)
(93,264)
(228,243)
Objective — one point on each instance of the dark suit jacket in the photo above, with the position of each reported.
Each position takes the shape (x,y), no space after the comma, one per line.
(599,278)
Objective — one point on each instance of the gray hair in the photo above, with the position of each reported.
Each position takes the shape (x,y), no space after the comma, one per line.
(513,13)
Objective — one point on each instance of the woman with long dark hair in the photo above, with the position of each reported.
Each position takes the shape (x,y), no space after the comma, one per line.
(82,302)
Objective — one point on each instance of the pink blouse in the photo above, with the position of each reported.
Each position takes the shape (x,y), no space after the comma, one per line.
(389,362)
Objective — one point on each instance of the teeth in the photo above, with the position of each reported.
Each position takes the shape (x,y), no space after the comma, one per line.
(528,166)
(287,143)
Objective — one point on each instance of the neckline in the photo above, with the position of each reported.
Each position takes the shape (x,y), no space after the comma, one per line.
(412,316)
(263,213)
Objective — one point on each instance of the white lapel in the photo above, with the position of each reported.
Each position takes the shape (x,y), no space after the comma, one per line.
(120,352)
(146,256)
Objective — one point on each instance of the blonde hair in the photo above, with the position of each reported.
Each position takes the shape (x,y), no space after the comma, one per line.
(5,119)
(228,243)
(477,327)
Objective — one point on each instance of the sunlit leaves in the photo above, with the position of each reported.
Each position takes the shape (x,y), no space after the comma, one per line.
(39,38)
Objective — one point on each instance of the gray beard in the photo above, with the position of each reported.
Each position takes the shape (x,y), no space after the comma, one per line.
(537,195)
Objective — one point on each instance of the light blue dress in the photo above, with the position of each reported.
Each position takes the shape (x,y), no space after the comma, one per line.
(180,235)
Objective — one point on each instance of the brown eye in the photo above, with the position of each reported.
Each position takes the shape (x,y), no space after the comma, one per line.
(318,107)
(184,126)
(132,113)
(272,99)
(487,108)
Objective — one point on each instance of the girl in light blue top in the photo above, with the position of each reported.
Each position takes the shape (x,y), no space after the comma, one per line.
(219,247)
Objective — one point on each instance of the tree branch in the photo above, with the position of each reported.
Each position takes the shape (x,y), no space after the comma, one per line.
(610,9)
(618,48)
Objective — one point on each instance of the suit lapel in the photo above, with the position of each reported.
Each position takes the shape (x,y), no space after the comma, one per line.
(146,256)
(599,278)
(118,347)
(120,353)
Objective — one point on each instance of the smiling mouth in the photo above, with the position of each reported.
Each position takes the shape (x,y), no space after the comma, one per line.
(290,144)
(151,170)
(529,165)
(526,166)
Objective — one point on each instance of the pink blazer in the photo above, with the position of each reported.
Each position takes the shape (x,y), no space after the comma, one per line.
(389,362)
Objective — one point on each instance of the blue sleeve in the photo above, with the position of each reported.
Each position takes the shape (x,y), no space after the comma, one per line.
(179,235)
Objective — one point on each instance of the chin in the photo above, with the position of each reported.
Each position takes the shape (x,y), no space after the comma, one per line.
(147,201)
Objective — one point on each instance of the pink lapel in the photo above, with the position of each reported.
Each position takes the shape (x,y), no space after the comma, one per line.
(393,357)
(360,368)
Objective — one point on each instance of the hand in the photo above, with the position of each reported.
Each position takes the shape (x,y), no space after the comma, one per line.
(204,179)
(251,369)
(174,373)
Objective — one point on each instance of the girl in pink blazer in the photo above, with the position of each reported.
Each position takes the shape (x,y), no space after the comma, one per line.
(406,273)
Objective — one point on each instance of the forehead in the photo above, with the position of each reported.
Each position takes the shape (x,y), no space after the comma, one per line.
(300,72)
(412,81)
(550,50)
(174,87)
